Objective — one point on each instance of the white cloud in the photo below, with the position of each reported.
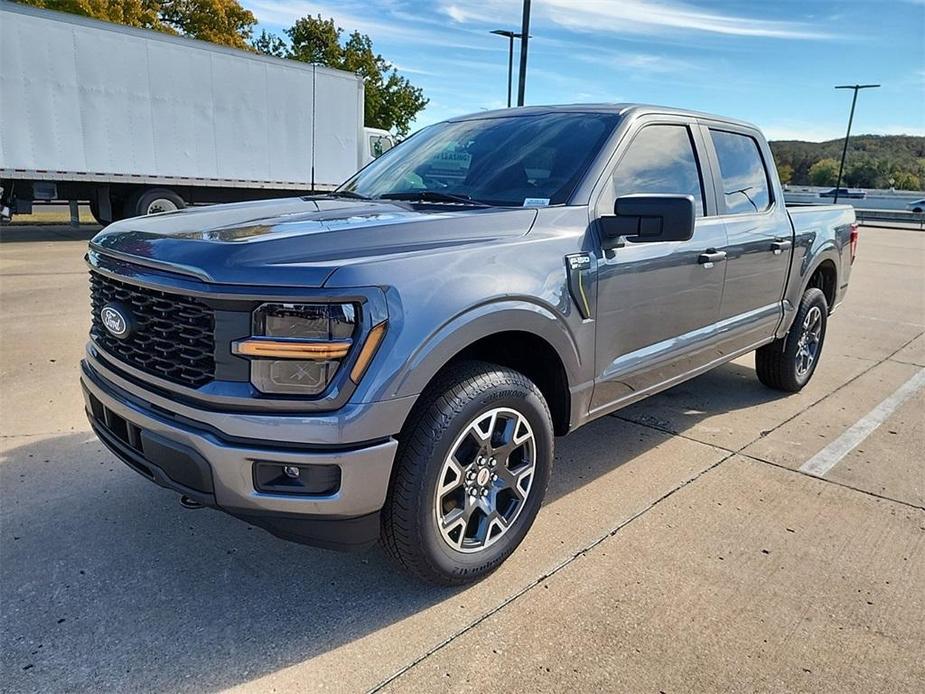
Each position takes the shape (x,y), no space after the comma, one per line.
(360,16)
(631,17)
(456,14)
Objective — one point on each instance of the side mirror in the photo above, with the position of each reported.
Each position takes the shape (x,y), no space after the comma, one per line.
(648,219)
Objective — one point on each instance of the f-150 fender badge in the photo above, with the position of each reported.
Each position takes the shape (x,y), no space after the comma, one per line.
(579,268)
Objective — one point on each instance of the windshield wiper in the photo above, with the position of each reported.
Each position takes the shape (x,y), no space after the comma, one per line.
(346,194)
(432,196)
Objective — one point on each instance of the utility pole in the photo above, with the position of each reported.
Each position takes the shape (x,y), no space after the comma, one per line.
(844,152)
(524,38)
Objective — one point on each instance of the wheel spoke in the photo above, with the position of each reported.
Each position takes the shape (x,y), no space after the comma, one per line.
(522,482)
(454,525)
(477,427)
(453,476)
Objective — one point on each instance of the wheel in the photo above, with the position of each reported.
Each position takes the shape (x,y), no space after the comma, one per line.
(470,474)
(152,201)
(116,207)
(788,364)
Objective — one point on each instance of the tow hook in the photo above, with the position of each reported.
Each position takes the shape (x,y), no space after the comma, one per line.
(187,502)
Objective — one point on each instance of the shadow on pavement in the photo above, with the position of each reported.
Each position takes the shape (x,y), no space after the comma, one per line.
(108,583)
(35,233)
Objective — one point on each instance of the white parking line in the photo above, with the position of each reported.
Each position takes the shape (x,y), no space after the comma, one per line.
(829,456)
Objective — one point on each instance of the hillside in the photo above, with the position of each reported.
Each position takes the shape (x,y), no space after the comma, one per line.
(872,161)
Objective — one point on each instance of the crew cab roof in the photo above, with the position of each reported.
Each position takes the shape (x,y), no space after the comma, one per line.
(622,109)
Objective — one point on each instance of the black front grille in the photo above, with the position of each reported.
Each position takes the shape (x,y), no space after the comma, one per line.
(172,335)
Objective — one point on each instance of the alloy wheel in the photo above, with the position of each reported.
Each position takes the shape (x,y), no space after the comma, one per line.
(810,339)
(485,480)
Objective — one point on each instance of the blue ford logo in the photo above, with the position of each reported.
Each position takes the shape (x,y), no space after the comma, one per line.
(116,320)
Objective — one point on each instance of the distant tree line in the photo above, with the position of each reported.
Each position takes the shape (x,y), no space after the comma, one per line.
(873,161)
(392,101)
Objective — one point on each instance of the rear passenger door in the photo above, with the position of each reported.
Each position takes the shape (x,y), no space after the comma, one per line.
(758,232)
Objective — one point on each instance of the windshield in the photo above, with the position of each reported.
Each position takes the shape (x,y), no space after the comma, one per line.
(515,160)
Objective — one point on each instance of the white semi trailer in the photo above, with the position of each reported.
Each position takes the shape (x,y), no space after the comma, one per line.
(135,121)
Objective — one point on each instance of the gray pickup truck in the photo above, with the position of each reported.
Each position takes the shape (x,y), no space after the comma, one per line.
(393,361)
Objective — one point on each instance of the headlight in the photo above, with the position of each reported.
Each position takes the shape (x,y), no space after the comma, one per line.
(297,348)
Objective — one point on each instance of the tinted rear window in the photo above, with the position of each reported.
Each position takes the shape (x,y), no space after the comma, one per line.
(745,181)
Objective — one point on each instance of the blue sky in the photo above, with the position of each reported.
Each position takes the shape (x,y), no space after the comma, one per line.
(773,62)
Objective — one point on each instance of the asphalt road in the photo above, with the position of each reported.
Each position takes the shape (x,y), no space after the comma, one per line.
(681,548)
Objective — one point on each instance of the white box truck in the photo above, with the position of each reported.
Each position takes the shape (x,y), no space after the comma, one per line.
(135,121)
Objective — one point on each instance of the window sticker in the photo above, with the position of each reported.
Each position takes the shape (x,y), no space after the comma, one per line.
(536,202)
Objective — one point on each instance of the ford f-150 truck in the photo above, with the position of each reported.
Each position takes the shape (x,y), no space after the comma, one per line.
(393,360)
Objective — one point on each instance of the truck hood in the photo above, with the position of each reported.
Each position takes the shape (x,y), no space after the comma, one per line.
(299,242)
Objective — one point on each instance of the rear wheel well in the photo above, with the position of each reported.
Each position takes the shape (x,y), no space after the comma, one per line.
(536,359)
(825,277)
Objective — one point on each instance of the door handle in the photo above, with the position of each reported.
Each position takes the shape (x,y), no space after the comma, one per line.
(710,256)
(779,247)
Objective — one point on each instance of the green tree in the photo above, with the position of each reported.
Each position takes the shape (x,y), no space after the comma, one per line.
(270,44)
(866,172)
(392,101)
(903,180)
(824,172)
(218,21)
(316,40)
(785,172)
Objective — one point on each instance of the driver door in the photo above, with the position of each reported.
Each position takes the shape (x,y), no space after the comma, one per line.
(658,302)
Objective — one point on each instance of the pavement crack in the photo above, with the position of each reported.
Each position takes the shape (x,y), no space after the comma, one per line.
(883,497)
(546,576)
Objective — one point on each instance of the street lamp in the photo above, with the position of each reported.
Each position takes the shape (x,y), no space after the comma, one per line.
(844,152)
(510,57)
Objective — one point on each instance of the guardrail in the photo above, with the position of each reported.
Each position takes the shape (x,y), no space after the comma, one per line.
(901,216)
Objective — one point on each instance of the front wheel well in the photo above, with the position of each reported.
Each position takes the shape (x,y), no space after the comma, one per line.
(825,277)
(536,359)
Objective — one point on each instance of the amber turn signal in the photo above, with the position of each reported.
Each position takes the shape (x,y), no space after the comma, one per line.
(291,349)
(368,351)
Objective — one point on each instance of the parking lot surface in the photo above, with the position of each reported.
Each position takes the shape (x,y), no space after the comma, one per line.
(719,536)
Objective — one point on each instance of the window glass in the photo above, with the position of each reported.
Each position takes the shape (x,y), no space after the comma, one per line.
(507,160)
(660,159)
(379,145)
(745,181)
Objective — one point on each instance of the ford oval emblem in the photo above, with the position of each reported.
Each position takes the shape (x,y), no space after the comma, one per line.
(116,320)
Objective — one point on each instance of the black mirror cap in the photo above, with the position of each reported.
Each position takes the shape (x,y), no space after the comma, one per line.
(651,218)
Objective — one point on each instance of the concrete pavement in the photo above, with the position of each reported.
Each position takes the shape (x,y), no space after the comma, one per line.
(680,548)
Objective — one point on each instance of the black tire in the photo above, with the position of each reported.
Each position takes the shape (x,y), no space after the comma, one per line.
(442,418)
(116,207)
(777,364)
(138,203)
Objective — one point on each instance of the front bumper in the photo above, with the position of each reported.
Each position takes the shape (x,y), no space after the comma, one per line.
(188,454)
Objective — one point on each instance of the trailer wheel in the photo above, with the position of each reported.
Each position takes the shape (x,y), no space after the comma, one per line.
(116,208)
(95,213)
(153,201)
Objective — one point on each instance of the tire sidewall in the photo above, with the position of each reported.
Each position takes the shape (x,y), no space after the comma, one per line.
(516,397)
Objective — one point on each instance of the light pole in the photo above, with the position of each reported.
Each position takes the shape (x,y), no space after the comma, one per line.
(524,39)
(510,58)
(844,152)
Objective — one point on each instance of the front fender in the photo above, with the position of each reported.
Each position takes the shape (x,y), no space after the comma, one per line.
(481,321)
